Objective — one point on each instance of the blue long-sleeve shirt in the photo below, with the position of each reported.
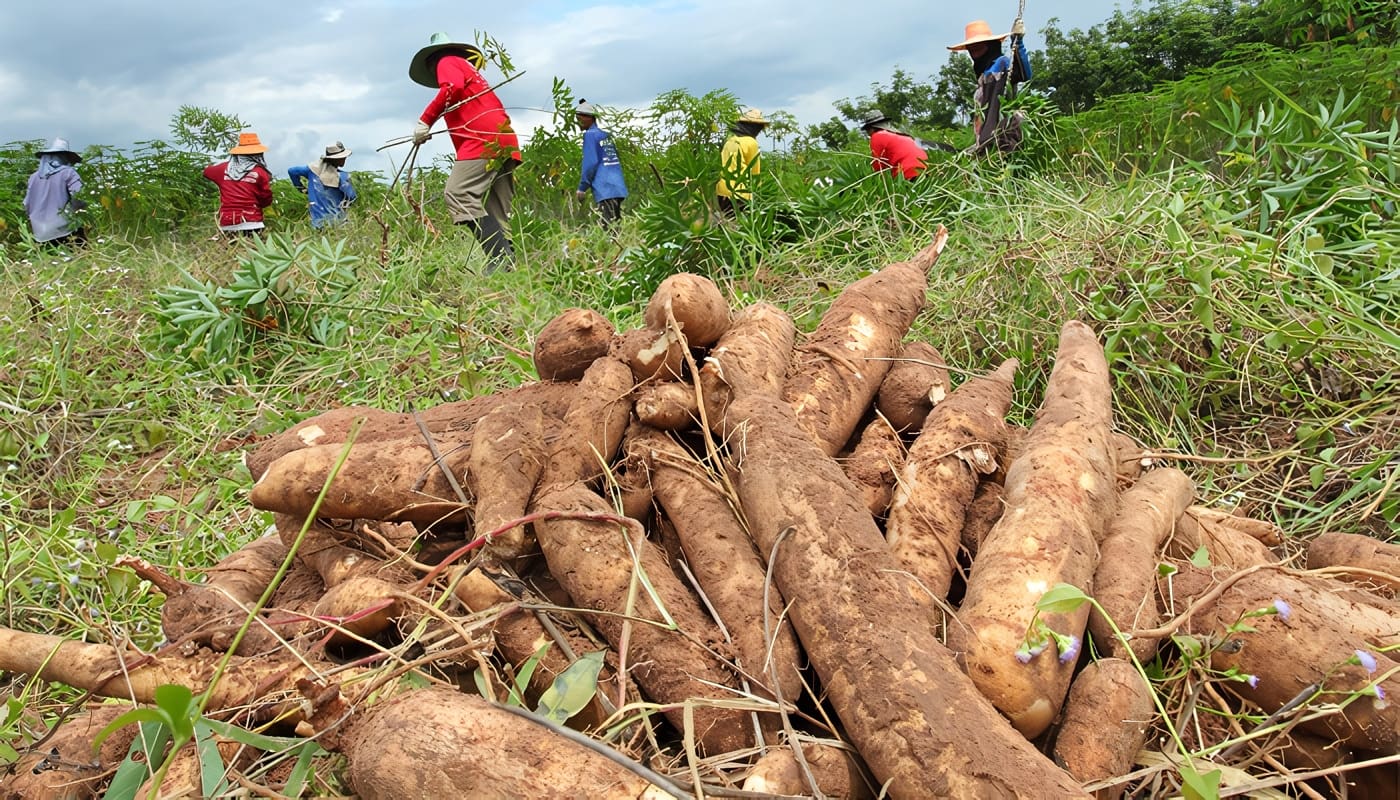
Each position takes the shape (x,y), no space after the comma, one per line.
(1003,63)
(327,202)
(602,169)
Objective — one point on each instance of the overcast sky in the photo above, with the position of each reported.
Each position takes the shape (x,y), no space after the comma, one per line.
(303,74)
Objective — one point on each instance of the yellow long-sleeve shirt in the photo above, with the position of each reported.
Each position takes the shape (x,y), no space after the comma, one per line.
(740,160)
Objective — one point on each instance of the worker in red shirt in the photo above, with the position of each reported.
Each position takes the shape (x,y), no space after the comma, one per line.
(480,188)
(891,149)
(245,186)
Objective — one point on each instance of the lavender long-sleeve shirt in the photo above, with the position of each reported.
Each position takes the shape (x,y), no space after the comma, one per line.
(47,200)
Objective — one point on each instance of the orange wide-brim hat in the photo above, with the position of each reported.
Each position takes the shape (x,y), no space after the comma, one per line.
(977,31)
(248,144)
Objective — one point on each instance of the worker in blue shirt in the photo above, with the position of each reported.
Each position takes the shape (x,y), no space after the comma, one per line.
(602,170)
(997,73)
(326,185)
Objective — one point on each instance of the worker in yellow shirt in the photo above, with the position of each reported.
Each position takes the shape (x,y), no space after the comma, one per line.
(740,161)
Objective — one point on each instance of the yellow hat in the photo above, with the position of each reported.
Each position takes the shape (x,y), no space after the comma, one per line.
(977,31)
(753,115)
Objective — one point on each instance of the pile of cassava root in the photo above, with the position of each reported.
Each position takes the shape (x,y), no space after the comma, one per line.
(812,565)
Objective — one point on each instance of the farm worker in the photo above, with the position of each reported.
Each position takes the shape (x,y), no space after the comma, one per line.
(602,169)
(326,185)
(740,161)
(51,195)
(997,73)
(892,150)
(245,186)
(480,188)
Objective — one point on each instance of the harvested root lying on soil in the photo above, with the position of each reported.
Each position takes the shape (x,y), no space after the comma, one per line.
(676,545)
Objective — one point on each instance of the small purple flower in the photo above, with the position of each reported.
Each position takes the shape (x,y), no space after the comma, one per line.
(1068,646)
(1366,660)
(1283,609)
(1252,680)
(1027,651)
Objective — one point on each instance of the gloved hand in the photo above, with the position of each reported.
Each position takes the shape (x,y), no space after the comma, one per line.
(1018,28)
(345,204)
(421,132)
(302,188)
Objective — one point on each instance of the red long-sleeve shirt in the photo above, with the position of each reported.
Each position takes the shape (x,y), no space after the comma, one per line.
(897,153)
(480,127)
(241,200)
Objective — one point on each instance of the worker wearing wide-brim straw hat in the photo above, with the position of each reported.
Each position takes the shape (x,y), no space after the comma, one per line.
(480,188)
(739,161)
(996,71)
(50,198)
(245,186)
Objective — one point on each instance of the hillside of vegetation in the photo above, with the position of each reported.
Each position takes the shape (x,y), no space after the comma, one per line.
(1231,238)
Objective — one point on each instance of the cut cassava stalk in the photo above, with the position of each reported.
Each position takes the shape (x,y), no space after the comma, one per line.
(958,445)
(915,718)
(439,743)
(916,383)
(506,461)
(839,368)
(877,458)
(752,356)
(730,572)
(1312,635)
(595,556)
(1060,494)
(1105,723)
(1126,578)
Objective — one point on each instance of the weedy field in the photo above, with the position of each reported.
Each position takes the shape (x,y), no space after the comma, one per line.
(1229,259)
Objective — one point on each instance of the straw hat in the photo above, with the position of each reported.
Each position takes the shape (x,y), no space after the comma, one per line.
(248,144)
(587,109)
(877,119)
(753,115)
(58,144)
(423,73)
(977,31)
(337,150)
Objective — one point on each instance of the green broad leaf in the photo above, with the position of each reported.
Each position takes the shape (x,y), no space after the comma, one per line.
(1317,474)
(8,754)
(482,687)
(177,705)
(261,741)
(212,771)
(573,689)
(1062,599)
(1195,786)
(301,771)
(149,744)
(1189,646)
(527,670)
(1200,558)
(1164,569)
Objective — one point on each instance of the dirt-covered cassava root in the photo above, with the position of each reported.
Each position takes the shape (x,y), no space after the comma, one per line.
(1060,493)
(960,442)
(914,716)
(838,369)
